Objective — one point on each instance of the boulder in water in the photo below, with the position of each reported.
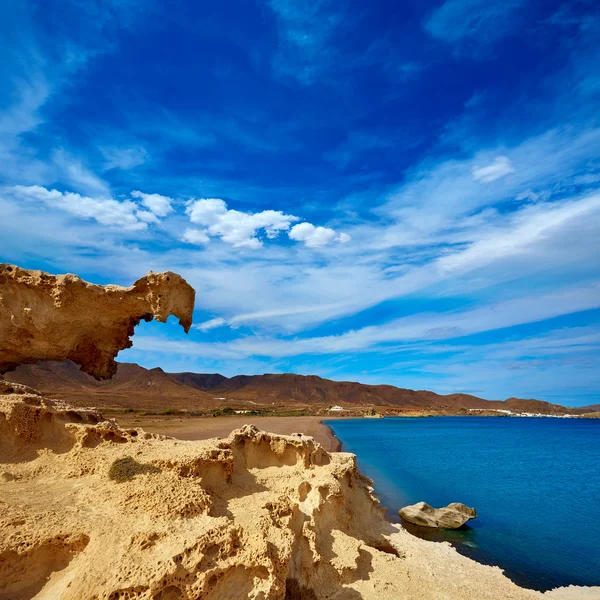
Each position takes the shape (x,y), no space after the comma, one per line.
(453,516)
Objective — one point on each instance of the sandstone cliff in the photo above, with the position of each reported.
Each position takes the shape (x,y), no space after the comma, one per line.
(58,317)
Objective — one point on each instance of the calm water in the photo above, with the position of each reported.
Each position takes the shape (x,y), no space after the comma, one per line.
(535,483)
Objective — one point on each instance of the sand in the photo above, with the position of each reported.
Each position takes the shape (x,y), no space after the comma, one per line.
(203,428)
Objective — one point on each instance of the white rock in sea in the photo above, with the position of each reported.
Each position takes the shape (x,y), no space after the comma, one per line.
(453,516)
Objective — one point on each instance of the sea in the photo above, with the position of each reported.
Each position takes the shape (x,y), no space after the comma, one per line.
(535,483)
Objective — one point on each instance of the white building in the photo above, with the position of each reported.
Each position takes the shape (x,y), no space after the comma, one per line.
(336,408)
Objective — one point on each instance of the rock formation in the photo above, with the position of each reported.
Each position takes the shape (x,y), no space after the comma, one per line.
(90,511)
(58,317)
(453,516)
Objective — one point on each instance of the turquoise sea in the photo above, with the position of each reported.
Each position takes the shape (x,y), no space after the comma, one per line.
(535,484)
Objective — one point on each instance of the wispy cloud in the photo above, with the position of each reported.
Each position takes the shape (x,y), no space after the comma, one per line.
(417,328)
(306,31)
(123,158)
(210,324)
(474,21)
(500,167)
(72,172)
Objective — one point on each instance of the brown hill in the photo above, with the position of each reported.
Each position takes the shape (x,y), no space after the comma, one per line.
(311,389)
(136,387)
(131,387)
(533,406)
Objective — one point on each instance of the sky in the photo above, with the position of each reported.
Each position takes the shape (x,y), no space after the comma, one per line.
(386,192)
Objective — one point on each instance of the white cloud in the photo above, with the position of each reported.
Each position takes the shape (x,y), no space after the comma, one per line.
(206,211)
(314,237)
(234,227)
(210,324)
(157,204)
(124,215)
(195,236)
(500,167)
(239,229)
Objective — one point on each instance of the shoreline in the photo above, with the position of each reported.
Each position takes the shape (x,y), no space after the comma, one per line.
(202,428)
(339,446)
(523,579)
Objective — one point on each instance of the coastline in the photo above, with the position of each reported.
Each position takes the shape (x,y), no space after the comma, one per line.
(464,545)
(335,441)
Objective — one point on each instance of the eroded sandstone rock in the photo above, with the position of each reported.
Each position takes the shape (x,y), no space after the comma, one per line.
(253,515)
(59,317)
(453,516)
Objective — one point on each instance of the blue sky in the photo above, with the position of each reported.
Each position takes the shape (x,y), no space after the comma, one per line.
(403,193)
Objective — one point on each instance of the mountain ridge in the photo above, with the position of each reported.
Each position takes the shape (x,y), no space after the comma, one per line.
(134,386)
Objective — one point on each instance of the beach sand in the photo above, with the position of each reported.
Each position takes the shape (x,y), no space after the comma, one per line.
(203,428)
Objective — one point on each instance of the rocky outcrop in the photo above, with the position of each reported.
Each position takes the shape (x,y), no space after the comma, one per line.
(453,516)
(90,511)
(93,511)
(58,317)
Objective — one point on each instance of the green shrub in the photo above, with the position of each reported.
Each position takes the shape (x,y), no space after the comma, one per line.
(170,411)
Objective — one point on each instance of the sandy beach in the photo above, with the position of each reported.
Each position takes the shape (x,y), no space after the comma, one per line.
(204,428)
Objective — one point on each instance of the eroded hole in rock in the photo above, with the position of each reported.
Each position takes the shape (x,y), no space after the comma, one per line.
(171,592)
(294,590)
(303,490)
(75,417)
